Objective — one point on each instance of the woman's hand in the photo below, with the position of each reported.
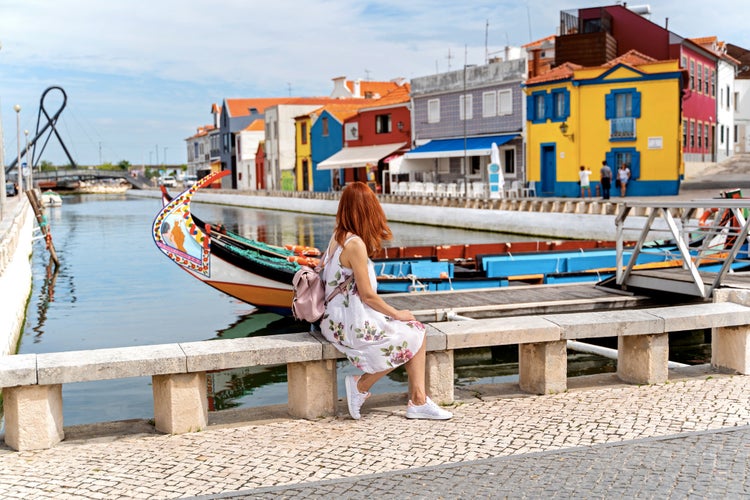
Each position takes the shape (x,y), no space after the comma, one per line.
(404,315)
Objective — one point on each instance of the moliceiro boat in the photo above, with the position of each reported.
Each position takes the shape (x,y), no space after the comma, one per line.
(261,274)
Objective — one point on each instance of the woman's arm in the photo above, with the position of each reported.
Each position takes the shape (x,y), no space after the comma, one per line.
(354,256)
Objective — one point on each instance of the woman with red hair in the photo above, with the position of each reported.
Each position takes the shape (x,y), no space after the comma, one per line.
(376,337)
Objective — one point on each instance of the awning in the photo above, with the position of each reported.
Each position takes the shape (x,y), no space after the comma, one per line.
(446,148)
(359,156)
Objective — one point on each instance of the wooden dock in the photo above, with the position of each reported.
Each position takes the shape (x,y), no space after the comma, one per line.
(517,301)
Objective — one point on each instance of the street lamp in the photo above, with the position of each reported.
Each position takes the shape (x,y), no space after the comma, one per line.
(17,107)
(31,167)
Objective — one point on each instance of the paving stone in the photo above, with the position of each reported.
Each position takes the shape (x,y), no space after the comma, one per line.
(596,441)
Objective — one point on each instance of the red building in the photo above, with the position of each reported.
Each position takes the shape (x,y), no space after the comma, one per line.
(593,36)
(373,137)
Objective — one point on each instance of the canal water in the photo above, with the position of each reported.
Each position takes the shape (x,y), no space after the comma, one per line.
(114,289)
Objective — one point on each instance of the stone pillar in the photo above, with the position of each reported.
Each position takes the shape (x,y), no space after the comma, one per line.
(543,367)
(439,376)
(312,389)
(180,402)
(730,348)
(643,359)
(33,416)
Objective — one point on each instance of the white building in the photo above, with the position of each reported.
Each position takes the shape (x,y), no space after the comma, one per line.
(246,146)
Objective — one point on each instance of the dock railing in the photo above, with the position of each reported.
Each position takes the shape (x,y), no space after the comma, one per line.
(709,236)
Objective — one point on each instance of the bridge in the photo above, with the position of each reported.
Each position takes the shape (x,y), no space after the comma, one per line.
(69,178)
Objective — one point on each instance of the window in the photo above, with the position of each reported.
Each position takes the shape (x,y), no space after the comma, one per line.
(684,133)
(736,132)
(728,98)
(684,62)
(692,135)
(560,105)
(622,109)
(713,84)
(721,138)
(736,100)
(510,161)
(700,77)
(706,76)
(536,108)
(383,124)
(505,102)
(629,156)
(692,75)
(433,111)
(324,125)
(700,135)
(705,137)
(489,104)
(454,164)
(465,107)
(303,133)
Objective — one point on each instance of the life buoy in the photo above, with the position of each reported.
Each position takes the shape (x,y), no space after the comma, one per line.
(707,214)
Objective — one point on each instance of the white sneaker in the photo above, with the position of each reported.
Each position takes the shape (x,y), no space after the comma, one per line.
(354,398)
(429,410)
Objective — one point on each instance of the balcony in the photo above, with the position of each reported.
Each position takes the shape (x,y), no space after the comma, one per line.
(622,129)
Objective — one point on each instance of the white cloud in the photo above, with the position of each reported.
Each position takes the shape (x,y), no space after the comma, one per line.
(126,63)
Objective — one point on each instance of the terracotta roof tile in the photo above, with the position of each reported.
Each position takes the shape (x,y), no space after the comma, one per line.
(539,43)
(561,72)
(631,58)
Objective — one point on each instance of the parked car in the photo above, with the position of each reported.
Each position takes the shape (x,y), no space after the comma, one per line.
(10,189)
(168,181)
(190,180)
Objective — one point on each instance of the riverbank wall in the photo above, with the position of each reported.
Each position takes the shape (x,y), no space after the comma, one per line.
(16,233)
(571,218)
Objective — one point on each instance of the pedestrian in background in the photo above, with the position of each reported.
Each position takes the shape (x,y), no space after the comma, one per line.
(375,336)
(623,175)
(585,181)
(605,177)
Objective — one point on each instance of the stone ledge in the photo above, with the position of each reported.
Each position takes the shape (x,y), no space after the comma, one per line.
(16,370)
(705,315)
(606,324)
(251,351)
(102,364)
(498,331)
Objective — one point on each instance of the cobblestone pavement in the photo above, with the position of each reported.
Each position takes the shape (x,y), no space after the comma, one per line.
(523,440)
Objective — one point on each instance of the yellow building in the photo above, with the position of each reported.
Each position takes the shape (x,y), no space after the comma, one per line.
(625,112)
(303,171)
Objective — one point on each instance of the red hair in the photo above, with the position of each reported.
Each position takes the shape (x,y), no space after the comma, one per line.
(360,213)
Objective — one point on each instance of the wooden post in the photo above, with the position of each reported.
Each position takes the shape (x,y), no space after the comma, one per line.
(31,195)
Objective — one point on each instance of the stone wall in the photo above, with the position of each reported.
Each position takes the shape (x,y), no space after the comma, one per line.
(16,228)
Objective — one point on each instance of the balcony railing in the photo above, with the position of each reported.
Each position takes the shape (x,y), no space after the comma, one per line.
(622,128)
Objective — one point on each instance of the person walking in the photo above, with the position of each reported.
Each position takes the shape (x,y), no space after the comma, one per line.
(623,175)
(605,177)
(584,176)
(376,337)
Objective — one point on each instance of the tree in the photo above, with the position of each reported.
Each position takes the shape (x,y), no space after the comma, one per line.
(124,165)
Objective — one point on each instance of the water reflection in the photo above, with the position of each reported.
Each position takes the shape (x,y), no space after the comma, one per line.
(46,296)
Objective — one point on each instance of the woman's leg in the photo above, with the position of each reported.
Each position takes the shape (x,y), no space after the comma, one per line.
(415,369)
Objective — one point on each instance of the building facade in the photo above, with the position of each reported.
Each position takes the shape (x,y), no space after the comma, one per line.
(458,115)
(624,112)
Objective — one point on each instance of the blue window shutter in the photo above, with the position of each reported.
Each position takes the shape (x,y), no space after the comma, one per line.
(635,167)
(530,111)
(549,106)
(610,157)
(636,104)
(609,106)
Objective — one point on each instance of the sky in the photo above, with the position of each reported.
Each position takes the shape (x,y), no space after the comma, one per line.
(141,76)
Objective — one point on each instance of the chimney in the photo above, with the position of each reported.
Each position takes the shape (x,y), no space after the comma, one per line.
(534,66)
(357,88)
(339,88)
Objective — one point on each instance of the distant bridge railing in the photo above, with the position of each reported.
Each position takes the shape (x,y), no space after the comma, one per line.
(65,177)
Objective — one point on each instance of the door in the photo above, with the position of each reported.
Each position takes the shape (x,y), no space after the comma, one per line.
(548,169)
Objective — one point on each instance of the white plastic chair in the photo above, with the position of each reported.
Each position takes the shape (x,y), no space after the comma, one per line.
(403,187)
(515,190)
(451,190)
(429,188)
(529,189)
(477,188)
(441,190)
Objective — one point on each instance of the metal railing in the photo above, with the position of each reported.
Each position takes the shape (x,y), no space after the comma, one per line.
(705,236)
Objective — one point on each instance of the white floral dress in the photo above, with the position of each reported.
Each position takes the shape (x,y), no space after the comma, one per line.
(373,342)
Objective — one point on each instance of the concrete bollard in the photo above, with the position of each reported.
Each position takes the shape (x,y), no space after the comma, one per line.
(312,389)
(543,367)
(439,376)
(33,416)
(180,402)
(643,359)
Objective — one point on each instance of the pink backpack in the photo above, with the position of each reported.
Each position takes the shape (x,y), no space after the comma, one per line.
(310,301)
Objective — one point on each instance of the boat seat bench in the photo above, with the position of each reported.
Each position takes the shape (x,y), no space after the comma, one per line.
(32,383)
